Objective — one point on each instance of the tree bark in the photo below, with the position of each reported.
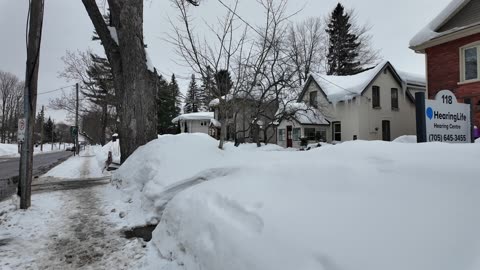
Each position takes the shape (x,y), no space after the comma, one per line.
(134,84)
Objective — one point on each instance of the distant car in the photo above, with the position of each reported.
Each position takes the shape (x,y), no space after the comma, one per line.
(72,149)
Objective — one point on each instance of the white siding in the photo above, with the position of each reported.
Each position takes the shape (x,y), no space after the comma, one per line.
(357,117)
(195,126)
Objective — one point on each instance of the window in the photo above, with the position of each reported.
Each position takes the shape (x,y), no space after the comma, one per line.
(394,99)
(376,97)
(321,136)
(337,131)
(296,134)
(313,99)
(281,135)
(470,63)
(310,134)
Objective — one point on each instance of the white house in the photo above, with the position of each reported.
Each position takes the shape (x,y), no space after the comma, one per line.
(194,122)
(377,104)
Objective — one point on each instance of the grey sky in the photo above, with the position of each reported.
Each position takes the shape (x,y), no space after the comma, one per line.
(67,27)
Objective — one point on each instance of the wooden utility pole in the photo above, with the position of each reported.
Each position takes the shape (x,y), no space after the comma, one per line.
(41,128)
(35,24)
(77,149)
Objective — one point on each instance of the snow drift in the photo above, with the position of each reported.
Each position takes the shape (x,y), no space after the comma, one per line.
(358,205)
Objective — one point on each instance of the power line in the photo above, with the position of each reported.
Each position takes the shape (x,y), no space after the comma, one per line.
(55,90)
(238,16)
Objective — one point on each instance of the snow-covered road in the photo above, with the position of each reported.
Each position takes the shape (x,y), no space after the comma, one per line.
(73,228)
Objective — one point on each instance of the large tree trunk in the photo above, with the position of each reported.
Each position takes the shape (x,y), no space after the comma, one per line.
(135,86)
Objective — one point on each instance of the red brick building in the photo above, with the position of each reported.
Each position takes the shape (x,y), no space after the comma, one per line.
(451,43)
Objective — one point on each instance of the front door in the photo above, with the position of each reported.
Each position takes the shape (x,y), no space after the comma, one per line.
(386,131)
(289,137)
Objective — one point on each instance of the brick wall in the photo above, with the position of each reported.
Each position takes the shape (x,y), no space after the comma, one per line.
(443,72)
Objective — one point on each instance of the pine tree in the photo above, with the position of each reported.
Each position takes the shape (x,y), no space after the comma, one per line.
(38,126)
(191,99)
(206,91)
(168,105)
(344,44)
(223,83)
(48,130)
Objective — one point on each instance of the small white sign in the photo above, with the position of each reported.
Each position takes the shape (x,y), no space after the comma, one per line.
(447,121)
(21,130)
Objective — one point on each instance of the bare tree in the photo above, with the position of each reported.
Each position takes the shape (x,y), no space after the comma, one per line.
(8,85)
(306,45)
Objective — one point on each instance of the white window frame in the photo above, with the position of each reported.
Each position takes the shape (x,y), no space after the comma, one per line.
(281,134)
(299,134)
(462,62)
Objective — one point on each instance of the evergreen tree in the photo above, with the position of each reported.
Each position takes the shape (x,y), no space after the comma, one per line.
(206,91)
(223,83)
(344,44)
(168,105)
(49,131)
(192,99)
(100,90)
(38,126)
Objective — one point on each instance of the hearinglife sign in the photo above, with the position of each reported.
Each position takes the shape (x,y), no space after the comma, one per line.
(443,119)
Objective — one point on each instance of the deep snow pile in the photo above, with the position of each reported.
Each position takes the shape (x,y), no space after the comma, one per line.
(477,140)
(358,205)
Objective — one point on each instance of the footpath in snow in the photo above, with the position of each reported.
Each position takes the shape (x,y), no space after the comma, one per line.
(71,224)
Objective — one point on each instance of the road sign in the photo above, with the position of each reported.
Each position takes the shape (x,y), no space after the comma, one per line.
(447,120)
(21,130)
(74,132)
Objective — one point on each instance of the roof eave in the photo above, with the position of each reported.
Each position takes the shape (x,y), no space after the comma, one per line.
(464,32)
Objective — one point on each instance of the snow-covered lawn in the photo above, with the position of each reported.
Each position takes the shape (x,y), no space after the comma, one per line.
(357,205)
(11,150)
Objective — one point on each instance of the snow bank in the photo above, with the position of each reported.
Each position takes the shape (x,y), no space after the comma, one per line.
(11,150)
(162,162)
(8,149)
(406,139)
(477,140)
(358,205)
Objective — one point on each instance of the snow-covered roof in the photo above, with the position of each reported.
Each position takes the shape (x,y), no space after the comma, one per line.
(411,78)
(341,88)
(194,116)
(429,32)
(302,113)
(215,123)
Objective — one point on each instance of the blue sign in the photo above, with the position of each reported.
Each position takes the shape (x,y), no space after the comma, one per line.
(430,113)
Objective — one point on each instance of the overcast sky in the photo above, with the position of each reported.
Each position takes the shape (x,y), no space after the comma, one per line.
(67,27)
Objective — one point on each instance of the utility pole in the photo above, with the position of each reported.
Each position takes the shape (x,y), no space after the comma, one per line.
(41,128)
(77,149)
(53,128)
(35,25)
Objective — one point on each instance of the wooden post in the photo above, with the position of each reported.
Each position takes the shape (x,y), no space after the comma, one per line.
(41,128)
(30,99)
(77,149)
